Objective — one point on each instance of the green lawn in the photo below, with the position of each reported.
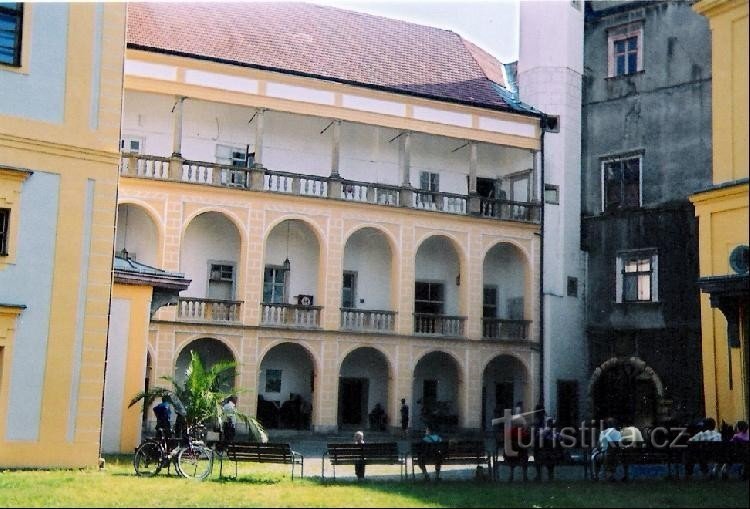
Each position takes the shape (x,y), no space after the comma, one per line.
(271,486)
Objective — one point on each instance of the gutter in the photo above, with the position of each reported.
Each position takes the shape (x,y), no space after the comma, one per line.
(541,265)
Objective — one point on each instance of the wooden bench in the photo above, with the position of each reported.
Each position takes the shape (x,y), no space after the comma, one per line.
(370,453)
(641,453)
(452,452)
(260,453)
(721,453)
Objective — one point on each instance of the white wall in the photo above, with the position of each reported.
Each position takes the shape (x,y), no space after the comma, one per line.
(550,77)
(296,369)
(505,269)
(437,261)
(304,256)
(114,383)
(368,253)
(136,232)
(294,143)
(209,236)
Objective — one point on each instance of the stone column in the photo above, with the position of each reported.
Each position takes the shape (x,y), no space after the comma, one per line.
(404,163)
(334,182)
(473,197)
(259,127)
(175,162)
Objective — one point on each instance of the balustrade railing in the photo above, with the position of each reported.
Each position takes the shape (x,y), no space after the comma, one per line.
(136,165)
(498,328)
(367,320)
(208,310)
(509,210)
(262,179)
(439,325)
(290,315)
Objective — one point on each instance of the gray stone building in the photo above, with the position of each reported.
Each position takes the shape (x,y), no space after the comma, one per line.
(646,147)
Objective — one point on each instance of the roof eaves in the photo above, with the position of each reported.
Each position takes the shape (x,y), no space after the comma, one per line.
(515,103)
(451,100)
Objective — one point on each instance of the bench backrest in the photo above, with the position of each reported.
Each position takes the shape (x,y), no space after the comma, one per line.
(261,452)
(343,452)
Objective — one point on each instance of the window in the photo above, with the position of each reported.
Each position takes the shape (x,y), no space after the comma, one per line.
(221,281)
(273,380)
(349,290)
(4,231)
(274,285)
(11,25)
(572,286)
(233,156)
(637,276)
(428,297)
(621,183)
(625,49)
(132,144)
(489,302)
(429,181)
(552,194)
(514,308)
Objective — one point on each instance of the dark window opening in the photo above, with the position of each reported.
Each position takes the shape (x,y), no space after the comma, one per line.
(11,27)
(4,231)
(572,286)
(428,298)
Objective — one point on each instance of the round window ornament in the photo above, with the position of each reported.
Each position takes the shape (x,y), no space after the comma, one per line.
(739,259)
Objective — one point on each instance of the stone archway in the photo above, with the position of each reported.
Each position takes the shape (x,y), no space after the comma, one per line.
(629,390)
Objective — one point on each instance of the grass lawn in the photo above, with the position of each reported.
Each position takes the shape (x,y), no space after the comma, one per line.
(264,485)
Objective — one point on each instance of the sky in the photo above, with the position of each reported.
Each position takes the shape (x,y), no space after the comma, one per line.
(490,24)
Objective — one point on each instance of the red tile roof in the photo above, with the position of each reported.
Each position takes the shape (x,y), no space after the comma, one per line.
(324,42)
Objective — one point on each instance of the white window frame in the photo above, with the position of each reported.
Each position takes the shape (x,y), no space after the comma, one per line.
(603,164)
(127,139)
(223,263)
(619,266)
(620,33)
(225,155)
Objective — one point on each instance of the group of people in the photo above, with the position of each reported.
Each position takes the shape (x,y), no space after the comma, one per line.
(627,435)
(294,413)
(429,454)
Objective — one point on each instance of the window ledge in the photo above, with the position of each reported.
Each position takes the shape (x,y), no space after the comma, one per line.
(621,76)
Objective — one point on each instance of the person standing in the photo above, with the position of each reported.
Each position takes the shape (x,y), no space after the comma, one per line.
(163,415)
(359,465)
(404,417)
(229,411)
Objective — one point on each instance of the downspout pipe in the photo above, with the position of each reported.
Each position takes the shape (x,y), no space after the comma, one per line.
(543,122)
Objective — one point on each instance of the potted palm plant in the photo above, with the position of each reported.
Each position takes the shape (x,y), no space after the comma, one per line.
(199,398)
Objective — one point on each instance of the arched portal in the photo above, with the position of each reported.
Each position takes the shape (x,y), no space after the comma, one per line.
(210,352)
(363,386)
(628,390)
(436,390)
(286,387)
(505,382)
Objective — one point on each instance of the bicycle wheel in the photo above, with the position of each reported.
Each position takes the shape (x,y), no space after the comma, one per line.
(195,462)
(148,459)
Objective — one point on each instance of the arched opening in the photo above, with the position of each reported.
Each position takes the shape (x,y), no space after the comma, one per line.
(210,351)
(136,233)
(505,383)
(436,288)
(504,280)
(210,256)
(435,390)
(363,390)
(286,387)
(628,390)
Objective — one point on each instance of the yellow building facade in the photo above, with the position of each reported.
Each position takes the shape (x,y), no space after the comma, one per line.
(348,245)
(61,82)
(722,212)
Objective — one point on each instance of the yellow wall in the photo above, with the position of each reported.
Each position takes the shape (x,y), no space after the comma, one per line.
(139,298)
(80,156)
(723,212)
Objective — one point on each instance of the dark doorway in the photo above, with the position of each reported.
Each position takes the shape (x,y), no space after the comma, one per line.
(624,393)
(486,187)
(353,401)
(503,398)
(567,403)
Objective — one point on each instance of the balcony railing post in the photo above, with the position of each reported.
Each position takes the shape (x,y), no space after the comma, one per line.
(334,187)
(406,197)
(474,204)
(174,172)
(257,172)
(295,185)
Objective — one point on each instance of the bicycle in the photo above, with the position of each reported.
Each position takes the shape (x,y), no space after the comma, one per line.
(156,453)
(189,454)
